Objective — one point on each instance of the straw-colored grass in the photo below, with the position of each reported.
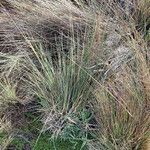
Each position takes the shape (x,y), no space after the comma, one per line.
(85,63)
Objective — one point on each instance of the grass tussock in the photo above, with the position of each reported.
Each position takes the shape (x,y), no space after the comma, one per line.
(75,70)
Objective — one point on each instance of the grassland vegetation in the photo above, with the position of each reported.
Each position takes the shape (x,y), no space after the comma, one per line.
(74,74)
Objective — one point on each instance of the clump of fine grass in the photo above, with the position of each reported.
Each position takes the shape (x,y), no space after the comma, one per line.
(11,83)
(123,97)
(62,89)
(122,112)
